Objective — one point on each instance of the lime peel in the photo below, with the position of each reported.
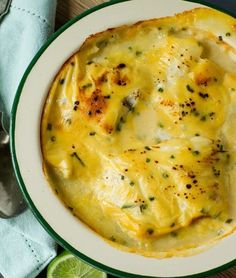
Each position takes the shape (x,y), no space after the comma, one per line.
(67,265)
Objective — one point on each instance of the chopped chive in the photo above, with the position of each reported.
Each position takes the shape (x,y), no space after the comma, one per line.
(195,153)
(49,127)
(173,234)
(161,125)
(74,154)
(131,183)
(228,34)
(147,148)
(112,238)
(122,177)
(165,175)
(228,221)
(138,53)
(68,121)
(62,81)
(148,160)
(150,231)
(220,38)
(127,206)
(151,199)
(172,156)
(88,85)
(161,90)
(143,207)
(204,211)
(53,138)
(102,43)
(190,89)
(92,133)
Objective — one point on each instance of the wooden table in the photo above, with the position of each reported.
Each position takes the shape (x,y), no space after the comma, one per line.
(67,9)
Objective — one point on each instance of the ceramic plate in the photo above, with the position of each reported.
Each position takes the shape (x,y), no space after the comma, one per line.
(25,143)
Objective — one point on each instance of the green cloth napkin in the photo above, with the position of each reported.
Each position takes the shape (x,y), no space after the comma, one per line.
(25,247)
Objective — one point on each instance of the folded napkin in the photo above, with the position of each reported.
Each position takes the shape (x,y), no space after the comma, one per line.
(25,248)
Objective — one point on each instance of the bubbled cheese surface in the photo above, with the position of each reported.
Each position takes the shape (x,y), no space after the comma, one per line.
(139,129)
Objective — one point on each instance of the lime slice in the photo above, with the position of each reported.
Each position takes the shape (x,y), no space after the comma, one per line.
(68,266)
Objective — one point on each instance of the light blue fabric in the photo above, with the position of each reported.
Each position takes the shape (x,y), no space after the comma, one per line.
(22,32)
(25,248)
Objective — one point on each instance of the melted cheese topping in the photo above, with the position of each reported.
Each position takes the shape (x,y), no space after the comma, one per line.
(138,133)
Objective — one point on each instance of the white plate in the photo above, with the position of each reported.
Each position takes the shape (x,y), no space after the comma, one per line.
(25,144)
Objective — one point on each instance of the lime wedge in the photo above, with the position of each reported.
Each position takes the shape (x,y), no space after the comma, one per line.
(68,266)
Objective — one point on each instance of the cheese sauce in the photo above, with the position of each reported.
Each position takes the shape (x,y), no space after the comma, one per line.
(138,133)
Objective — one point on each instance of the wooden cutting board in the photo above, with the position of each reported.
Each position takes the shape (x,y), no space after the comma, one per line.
(67,9)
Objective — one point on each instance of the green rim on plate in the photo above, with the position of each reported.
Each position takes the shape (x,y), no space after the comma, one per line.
(27,197)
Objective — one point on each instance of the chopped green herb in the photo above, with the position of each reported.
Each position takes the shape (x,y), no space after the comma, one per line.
(122,177)
(102,43)
(151,199)
(197,134)
(128,206)
(217,215)
(131,183)
(68,121)
(150,231)
(90,62)
(130,48)
(173,234)
(172,156)
(195,153)
(203,118)
(88,85)
(196,113)
(121,66)
(202,95)
(161,125)
(172,225)
(138,53)
(92,133)
(49,127)
(165,175)
(74,154)
(204,211)
(188,186)
(112,238)
(190,89)
(148,160)
(216,172)
(221,149)
(161,90)
(147,148)
(228,34)
(220,38)
(62,81)
(228,221)
(143,207)
(53,138)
